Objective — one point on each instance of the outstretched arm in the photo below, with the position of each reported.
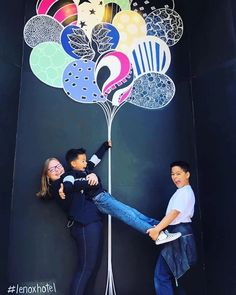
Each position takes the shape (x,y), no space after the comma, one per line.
(155,231)
(97,157)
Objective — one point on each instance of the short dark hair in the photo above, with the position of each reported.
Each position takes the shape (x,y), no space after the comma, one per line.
(72,154)
(182,164)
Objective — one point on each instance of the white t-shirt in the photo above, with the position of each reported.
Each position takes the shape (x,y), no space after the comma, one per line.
(182,200)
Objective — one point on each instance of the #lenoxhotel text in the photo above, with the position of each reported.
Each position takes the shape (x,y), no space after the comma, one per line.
(35,289)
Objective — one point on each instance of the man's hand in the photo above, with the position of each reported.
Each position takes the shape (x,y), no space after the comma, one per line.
(153,233)
(92,179)
(61,192)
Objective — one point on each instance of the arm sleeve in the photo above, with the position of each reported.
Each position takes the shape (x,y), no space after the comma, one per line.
(182,201)
(76,185)
(54,188)
(96,158)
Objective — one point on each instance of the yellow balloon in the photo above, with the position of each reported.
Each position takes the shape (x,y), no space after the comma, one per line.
(131,27)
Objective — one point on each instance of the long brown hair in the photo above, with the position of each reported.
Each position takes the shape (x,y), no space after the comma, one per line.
(45,182)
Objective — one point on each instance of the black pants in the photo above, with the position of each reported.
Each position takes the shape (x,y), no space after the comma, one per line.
(89,245)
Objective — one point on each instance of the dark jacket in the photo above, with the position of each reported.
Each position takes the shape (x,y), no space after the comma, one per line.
(180,254)
(79,193)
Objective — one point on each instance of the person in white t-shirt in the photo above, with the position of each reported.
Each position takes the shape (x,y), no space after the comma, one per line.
(178,256)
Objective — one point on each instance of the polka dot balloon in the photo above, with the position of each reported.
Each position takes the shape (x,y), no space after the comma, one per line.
(131,27)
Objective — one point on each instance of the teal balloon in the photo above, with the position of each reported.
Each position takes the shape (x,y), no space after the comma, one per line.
(48,61)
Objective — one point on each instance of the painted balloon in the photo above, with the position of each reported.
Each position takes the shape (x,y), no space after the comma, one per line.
(105,37)
(143,7)
(76,43)
(42,28)
(131,27)
(152,91)
(151,54)
(166,24)
(123,4)
(114,76)
(65,12)
(90,13)
(48,61)
(111,10)
(79,83)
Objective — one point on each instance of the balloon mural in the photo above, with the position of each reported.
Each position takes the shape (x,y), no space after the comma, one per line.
(105,52)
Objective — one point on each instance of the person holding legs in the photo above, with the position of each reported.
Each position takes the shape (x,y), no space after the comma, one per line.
(75,181)
(176,257)
(84,220)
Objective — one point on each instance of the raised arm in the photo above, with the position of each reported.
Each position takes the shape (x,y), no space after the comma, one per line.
(97,157)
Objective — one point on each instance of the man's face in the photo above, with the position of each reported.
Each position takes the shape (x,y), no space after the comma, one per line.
(179,176)
(80,163)
(55,170)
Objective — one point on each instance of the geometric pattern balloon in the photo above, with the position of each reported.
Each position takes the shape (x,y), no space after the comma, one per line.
(166,24)
(42,28)
(48,61)
(152,91)
(143,7)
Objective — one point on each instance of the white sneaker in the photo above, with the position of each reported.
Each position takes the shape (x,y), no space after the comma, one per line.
(165,237)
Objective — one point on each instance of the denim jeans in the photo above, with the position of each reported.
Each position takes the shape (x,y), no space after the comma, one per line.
(163,278)
(107,204)
(89,244)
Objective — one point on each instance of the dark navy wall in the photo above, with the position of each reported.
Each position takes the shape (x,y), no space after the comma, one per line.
(11,23)
(213,72)
(144,143)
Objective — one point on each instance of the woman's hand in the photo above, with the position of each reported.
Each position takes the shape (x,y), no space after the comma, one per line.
(61,192)
(92,179)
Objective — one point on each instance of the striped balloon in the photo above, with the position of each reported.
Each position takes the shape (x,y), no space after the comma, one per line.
(150,54)
(65,12)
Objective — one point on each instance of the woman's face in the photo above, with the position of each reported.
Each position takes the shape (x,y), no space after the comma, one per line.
(55,170)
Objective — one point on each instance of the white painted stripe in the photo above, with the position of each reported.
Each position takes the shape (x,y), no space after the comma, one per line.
(95,160)
(69,178)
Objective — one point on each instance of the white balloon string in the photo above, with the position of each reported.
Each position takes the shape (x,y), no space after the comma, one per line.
(109,115)
(116,109)
(105,111)
(108,106)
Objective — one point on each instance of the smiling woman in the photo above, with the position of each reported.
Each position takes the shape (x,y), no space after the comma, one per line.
(52,170)
(86,230)
(84,202)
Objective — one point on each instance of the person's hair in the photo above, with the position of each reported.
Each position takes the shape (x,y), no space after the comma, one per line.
(45,182)
(182,164)
(72,154)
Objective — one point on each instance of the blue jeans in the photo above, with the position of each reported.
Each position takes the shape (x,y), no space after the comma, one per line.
(163,278)
(107,204)
(89,244)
